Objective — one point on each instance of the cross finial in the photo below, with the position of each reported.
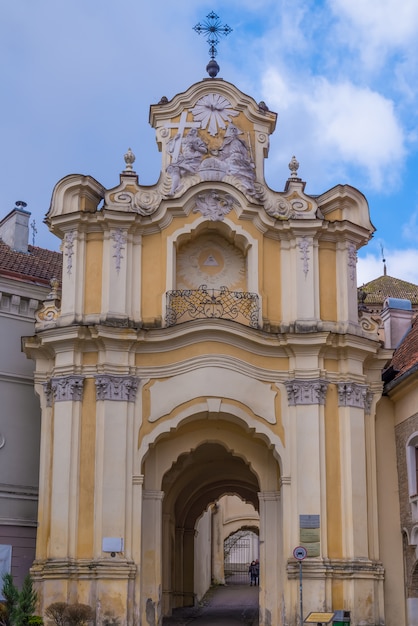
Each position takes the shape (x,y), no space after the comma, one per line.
(213,30)
(34,231)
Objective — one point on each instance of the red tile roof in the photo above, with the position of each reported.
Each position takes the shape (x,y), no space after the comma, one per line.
(379,289)
(405,357)
(35,266)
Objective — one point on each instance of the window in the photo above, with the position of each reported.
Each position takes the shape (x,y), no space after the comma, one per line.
(412,465)
(5,563)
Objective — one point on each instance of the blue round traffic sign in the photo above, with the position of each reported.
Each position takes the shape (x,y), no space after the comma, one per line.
(300,553)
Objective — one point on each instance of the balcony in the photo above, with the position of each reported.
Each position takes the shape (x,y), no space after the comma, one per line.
(189,304)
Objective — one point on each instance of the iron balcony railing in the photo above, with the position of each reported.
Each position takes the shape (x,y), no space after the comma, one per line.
(188,304)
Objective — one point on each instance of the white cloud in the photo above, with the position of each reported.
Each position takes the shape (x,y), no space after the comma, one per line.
(377,27)
(410,229)
(342,123)
(402,264)
(360,126)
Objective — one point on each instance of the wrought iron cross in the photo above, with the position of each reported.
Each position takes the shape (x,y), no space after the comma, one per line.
(213,30)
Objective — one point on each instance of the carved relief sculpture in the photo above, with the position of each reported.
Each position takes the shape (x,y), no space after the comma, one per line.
(116,388)
(306,391)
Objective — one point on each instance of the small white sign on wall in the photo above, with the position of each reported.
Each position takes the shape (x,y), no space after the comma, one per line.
(112,544)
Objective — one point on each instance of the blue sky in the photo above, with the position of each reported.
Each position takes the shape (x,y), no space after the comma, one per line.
(78,77)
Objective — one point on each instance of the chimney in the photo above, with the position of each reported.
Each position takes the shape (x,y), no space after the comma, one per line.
(397,319)
(14,228)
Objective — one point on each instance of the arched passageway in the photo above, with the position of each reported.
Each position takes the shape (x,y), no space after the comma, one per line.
(194,468)
(241,548)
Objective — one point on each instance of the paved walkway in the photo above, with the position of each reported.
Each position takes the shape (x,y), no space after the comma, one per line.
(228,605)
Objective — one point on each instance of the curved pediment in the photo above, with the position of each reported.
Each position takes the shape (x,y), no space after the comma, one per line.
(213,132)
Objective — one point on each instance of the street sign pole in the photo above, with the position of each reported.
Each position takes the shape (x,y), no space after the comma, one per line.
(300,553)
(300,593)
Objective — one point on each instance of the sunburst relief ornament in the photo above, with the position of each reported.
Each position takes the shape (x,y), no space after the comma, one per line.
(212,111)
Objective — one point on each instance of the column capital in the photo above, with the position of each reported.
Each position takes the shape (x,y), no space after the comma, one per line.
(303,392)
(355,395)
(269,496)
(152,494)
(63,389)
(112,387)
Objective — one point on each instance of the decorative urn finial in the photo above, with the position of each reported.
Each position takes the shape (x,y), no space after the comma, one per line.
(129,160)
(293,167)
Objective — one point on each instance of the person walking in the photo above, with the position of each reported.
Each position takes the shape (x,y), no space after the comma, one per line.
(252,570)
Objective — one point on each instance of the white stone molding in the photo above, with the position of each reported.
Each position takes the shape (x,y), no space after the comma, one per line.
(63,389)
(352,262)
(14,304)
(290,205)
(51,308)
(69,249)
(142,202)
(304,392)
(269,496)
(214,204)
(304,254)
(153,494)
(116,388)
(355,395)
(119,238)
(138,479)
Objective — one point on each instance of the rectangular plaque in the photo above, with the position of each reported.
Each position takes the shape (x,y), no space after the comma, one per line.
(309,535)
(313,549)
(309,521)
(319,618)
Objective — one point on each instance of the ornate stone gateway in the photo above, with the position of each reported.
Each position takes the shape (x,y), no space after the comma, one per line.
(206,345)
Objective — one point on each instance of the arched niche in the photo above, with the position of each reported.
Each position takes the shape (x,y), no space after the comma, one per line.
(218,252)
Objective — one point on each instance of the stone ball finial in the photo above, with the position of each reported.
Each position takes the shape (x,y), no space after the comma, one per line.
(129,160)
(212,68)
(293,167)
(262,106)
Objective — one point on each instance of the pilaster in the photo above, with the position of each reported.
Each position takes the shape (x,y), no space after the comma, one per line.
(66,394)
(271,559)
(151,557)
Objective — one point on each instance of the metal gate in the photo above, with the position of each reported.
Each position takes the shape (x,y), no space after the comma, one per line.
(239,550)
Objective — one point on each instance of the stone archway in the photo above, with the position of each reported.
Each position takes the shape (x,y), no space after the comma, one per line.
(190,470)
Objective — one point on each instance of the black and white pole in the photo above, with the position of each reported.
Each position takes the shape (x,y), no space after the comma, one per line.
(300,553)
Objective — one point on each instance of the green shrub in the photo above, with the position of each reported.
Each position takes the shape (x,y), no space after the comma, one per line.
(26,604)
(19,606)
(11,594)
(55,611)
(78,614)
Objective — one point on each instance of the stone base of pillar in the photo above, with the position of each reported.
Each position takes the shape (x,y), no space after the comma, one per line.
(104,584)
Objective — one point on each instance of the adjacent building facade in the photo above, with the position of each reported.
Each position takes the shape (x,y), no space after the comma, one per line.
(25,272)
(207,343)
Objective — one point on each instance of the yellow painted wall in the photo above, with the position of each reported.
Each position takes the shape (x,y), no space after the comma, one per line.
(327,281)
(200,348)
(338,595)
(271,288)
(87,465)
(333,474)
(93,280)
(153,276)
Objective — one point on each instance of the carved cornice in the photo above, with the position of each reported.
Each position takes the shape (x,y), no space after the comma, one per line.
(306,391)
(116,388)
(355,395)
(64,389)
